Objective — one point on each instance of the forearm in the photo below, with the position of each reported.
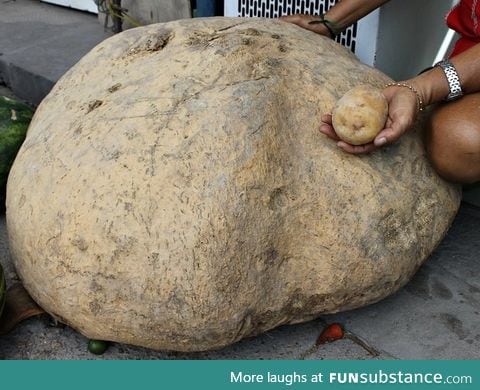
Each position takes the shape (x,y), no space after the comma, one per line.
(341,15)
(346,12)
(433,85)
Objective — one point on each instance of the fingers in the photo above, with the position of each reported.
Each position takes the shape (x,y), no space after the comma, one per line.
(353,149)
(386,136)
(303,20)
(327,128)
(298,19)
(392,132)
(327,118)
(356,149)
(402,111)
(329,132)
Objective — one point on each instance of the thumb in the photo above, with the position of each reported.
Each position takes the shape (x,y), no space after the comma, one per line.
(391,134)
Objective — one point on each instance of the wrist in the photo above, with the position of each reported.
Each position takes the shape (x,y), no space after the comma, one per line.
(333,24)
(328,26)
(431,85)
(453,80)
(319,29)
(422,94)
(412,89)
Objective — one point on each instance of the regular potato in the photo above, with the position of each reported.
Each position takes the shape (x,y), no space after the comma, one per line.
(360,115)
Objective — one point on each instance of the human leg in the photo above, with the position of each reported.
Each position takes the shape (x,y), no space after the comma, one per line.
(453,139)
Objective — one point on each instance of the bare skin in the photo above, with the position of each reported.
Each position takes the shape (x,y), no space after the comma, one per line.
(453,133)
(452,138)
(343,14)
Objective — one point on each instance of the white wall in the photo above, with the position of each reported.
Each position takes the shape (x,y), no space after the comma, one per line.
(410,35)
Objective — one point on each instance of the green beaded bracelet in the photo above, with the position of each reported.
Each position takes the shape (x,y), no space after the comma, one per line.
(332,27)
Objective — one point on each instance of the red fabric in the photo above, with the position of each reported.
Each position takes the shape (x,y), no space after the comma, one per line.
(464,18)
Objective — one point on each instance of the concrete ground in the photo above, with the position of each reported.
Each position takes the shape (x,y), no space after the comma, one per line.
(32,35)
(435,316)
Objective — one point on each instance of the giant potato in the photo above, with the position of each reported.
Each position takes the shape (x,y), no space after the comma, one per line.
(360,115)
(173,191)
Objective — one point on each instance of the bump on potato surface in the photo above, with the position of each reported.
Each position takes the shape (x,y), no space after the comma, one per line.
(174,191)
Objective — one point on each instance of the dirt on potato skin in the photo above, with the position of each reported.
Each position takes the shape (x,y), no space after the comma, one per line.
(198,204)
(360,114)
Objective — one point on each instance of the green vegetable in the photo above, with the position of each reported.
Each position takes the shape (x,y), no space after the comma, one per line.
(97,347)
(14,120)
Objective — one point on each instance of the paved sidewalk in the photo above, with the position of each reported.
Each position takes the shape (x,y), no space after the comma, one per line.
(435,316)
(32,35)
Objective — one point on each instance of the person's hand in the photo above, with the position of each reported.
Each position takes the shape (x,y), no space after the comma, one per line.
(402,111)
(303,21)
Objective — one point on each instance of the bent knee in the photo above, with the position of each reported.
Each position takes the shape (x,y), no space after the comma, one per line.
(453,146)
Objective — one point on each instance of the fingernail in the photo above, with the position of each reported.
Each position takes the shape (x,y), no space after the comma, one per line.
(380,141)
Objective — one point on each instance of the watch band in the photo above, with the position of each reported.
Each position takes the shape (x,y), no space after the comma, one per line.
(452,79)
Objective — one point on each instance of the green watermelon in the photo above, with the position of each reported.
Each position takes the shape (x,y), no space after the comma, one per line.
(3,290)
(14,120)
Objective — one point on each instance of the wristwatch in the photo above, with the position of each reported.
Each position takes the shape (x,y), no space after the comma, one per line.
(452,79)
